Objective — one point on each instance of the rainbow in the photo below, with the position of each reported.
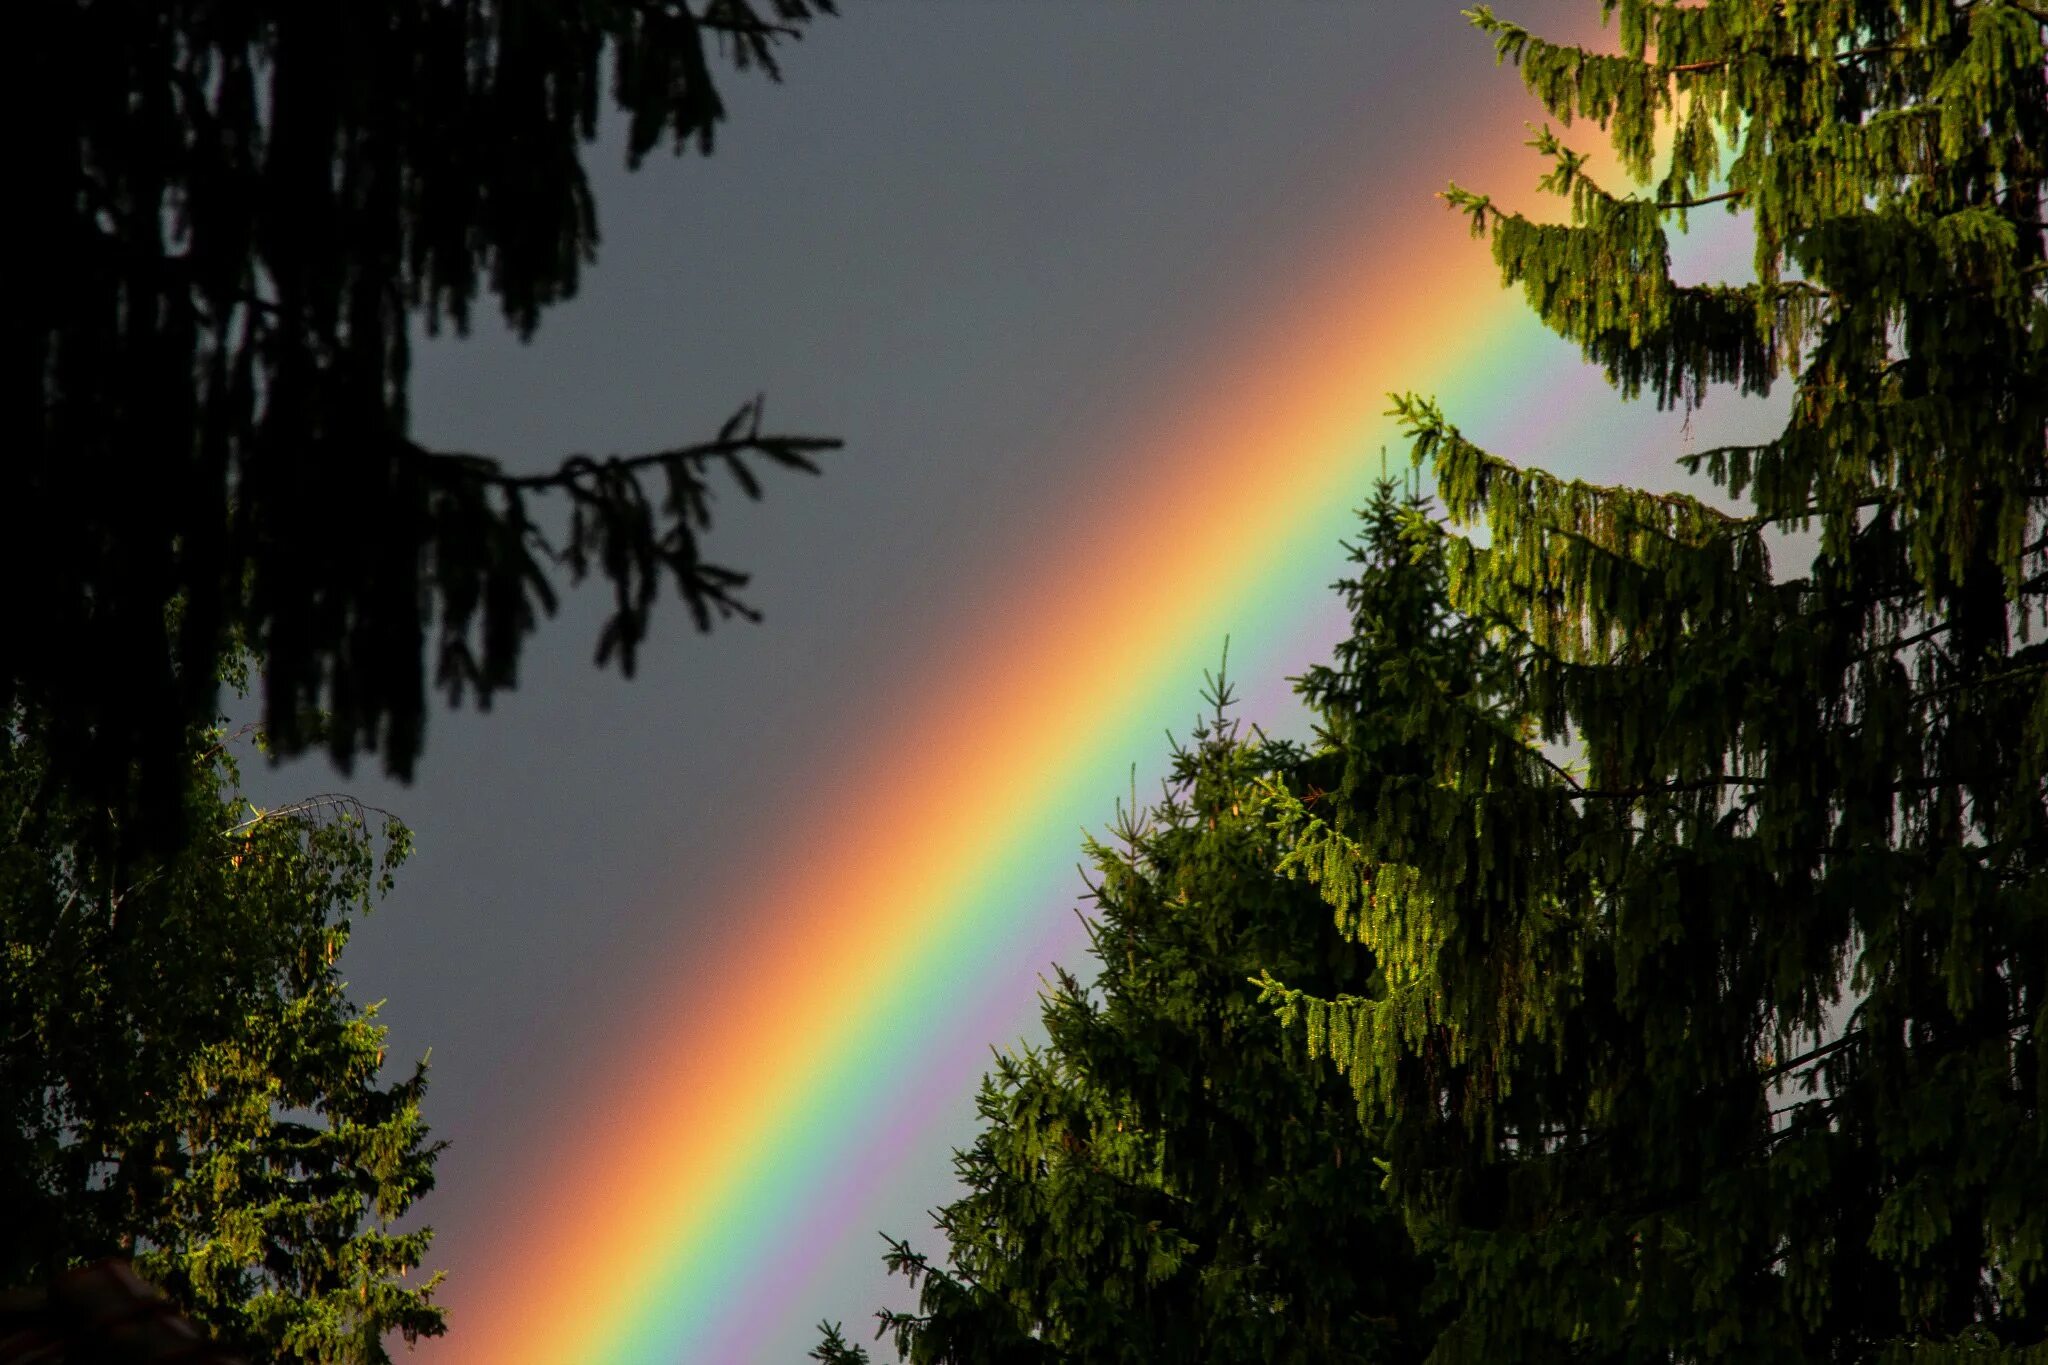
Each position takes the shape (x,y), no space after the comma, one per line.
(772,1083)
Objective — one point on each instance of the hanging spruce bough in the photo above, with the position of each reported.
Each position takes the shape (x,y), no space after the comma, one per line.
(1159,1182)
(1712,1028)
(234,220)
(185,1080)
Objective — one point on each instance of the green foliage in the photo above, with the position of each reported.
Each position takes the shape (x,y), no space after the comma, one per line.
(184,1078)
(1712,902)
(234,216)
(834,1349)
(1159,1181)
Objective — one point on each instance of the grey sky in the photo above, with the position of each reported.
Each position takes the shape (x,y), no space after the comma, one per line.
(963,236)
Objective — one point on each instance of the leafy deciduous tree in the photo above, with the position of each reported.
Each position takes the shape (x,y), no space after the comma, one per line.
(184,1079)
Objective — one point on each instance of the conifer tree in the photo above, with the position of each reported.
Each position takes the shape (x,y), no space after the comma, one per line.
(185,1080)
(1716,947)
(235,217)
(1158,1181)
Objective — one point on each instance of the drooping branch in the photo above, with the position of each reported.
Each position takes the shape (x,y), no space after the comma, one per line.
(1703,200)
(347,804)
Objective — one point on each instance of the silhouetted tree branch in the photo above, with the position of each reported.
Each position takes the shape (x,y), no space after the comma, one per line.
(231,219)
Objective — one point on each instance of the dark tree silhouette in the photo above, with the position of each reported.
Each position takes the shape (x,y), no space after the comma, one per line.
(232,212)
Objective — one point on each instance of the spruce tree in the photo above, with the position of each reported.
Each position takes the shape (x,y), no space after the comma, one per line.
(1716,947)
(185,1080)
(1159,1181)
(234,221)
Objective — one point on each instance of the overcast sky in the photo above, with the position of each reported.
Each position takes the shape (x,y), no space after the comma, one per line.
(970,238)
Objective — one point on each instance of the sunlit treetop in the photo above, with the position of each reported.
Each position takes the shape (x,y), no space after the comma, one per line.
(1716,945)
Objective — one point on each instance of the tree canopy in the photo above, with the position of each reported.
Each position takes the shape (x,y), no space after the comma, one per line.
(185,1080)
(1717,946)
(233,215)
